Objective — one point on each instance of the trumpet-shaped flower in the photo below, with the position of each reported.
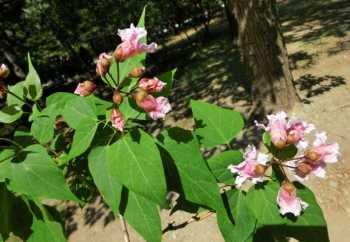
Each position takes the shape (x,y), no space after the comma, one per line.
(288,201)
(252,168)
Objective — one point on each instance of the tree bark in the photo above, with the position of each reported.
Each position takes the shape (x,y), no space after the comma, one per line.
(231,19)
(264,52)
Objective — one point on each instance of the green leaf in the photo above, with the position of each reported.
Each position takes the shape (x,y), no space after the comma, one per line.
(130,110)
(168,78)
(262,202)
(15,218)
(244,221)
(218,165)
(46,231)
(32,83)
(78,109)
(286,153)
(10,114)
(36,175)
(198,184)
(83,137)
(80,114)
(101,105)
(143,216)
(19,95)
(22,136)
(43,126)
(135,162)
(107,185)
(59,99)
(215,125)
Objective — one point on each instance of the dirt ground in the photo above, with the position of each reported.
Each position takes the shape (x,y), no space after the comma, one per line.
(321,68)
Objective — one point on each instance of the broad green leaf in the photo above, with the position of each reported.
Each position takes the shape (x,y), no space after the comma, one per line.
(218,165)
(83,137)
(43,124)
(143,216)
(107,185)
(19,94)
(36,175)
(262,202)
(283,154)
(22,136)
(59,99)
(135,162)
(129,64)
(32,83)
(101,105)
(168,78)
(78,109)
(198,184)
(15,218)
(44,231)
(215,125)
(244,221)
(10,114)
(130,110)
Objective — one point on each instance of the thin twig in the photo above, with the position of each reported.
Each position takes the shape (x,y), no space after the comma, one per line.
(195,218)
(124,229)
(118,74)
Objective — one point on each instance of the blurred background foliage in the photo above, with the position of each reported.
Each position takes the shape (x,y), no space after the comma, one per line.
(64,36)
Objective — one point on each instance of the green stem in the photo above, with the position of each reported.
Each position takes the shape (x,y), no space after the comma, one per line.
(12,142)
(118,73)
(112,79)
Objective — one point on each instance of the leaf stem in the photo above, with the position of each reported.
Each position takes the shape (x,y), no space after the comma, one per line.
(118,73)
(19,98)
(12,142)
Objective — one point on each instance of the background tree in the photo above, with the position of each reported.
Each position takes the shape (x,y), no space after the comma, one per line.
(264,53)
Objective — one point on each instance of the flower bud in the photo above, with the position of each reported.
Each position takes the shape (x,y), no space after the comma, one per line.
(103,63)
(85,88)
(303,169)
(288,187)
(137,72)
(2,90)
(118,54)
(260,170)
(4,71)
(139,95)
(280,144)
(292,138)
(117,97)
(311,154)
(117,120)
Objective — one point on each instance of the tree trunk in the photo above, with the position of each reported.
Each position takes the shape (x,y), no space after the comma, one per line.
(231,19)
(265,55)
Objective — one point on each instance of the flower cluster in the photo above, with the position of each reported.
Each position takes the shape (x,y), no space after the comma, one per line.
(308,160)
(131,45)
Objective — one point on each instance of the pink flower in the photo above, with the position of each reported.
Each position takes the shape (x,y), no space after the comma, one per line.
(103,63)
(297,129)
(151,85)
(288,201)
(285,131)
(85,88)
(315,158)
(156,108)
(253,167)
(117,120)
(131,44)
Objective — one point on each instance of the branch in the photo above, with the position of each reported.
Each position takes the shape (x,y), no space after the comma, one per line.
(124,229)
(195,218)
